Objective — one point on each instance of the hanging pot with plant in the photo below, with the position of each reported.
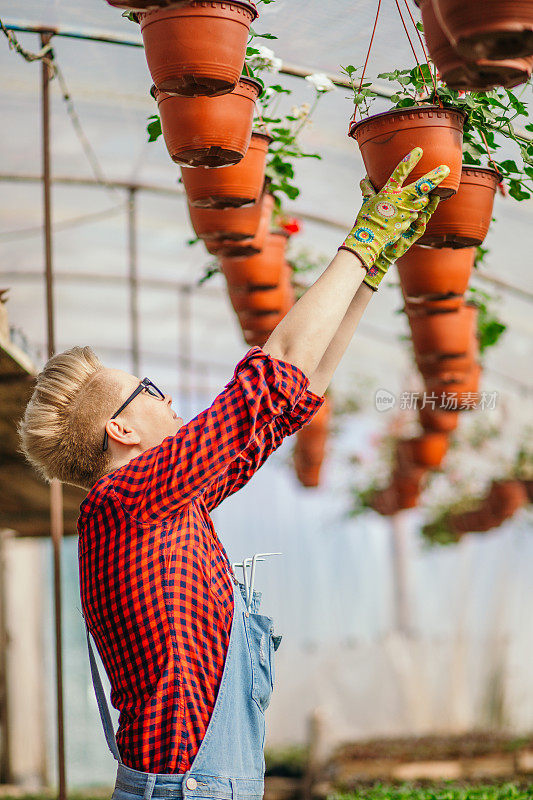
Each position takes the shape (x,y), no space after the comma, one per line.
(259,301)
(385,139)
(197,48)
(435,274)
(262,271)
(443,333)
(462,72)
(464,221)
(229,187)
(494,29)
(310,445)
(207,131)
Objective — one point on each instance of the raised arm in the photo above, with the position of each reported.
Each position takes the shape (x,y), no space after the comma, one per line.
(307,331)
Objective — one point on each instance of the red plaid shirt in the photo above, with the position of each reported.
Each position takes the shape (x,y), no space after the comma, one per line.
(155,582)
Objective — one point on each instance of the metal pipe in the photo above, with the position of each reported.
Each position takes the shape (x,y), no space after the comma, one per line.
(56,490)
(133,282)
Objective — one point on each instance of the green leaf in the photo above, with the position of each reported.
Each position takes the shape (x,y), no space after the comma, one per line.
(154,128)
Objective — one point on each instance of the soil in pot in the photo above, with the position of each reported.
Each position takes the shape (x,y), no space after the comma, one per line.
(208,131)
(435,273)
(444,333)
(465,219)
(384,139)
(197,48)
(262,271)
(461,73)
(230,224)
(436,420)
(493,29)
(229,187)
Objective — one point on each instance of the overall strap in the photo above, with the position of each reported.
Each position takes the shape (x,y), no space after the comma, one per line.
(101,700)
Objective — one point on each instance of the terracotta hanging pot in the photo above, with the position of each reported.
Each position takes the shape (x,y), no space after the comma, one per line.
(312,438)
(433,419)
(140,5)
(528,486)
(229,187)
(444,333)
(435,274)
(245,247)
(425,305)
(447,368)
(255,338)
(198,47)
(257,301)
(460,72)
(262,271)
(476,521)
(493,29)
(505,497)
(261,322)
(460,392)
(307,474)
(208,131)
(385,501)
(385,139)
(426,451)
(407,492)
(465,219)
(234,224)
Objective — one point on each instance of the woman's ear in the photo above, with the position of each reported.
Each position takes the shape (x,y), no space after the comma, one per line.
(122,433)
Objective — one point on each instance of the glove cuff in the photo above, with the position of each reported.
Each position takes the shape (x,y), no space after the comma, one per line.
(364,258)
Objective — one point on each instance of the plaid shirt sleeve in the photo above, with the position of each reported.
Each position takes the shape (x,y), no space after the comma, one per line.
(166,477)
(244,467)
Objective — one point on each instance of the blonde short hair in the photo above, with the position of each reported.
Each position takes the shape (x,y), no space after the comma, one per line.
(62,429)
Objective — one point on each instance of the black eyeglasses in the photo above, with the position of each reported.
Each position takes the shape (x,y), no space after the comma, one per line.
(150,387)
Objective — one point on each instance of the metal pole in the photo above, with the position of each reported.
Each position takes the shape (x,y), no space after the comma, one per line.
(133,281)
(56,490)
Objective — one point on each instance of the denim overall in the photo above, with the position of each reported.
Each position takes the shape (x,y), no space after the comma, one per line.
(229,764)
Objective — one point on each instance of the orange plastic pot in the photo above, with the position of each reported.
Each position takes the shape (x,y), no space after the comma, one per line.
(426,451)
(307,474)
(427,305)
(493,29)
(197,48)
(465,219)
(477,521)
(208,131)
(261,322)
(140,5)
(433,419)
(506,497)
(407,492)
(435,273)
(385,139)
(460,392)
(385,501)
(262,271)
(460,72)
(444,333)
(230,224)
(254,338)
(257,301)
(245,247)
(238,185)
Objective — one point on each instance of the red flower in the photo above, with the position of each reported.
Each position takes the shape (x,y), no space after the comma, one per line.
(502,189)
(291,225)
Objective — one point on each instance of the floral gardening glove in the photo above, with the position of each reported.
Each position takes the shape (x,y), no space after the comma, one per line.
(392,252)
(389,213)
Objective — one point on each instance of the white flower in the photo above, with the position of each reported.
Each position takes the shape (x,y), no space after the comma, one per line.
(265,58)
(321,82)
(299,112)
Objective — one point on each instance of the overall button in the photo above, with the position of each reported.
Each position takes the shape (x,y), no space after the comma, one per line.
(191,783)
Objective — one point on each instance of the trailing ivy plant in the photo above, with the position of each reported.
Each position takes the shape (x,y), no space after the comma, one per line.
(489,327)
(490,118)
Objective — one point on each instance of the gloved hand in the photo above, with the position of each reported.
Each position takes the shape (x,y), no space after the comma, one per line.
(389,213)
(392,252)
